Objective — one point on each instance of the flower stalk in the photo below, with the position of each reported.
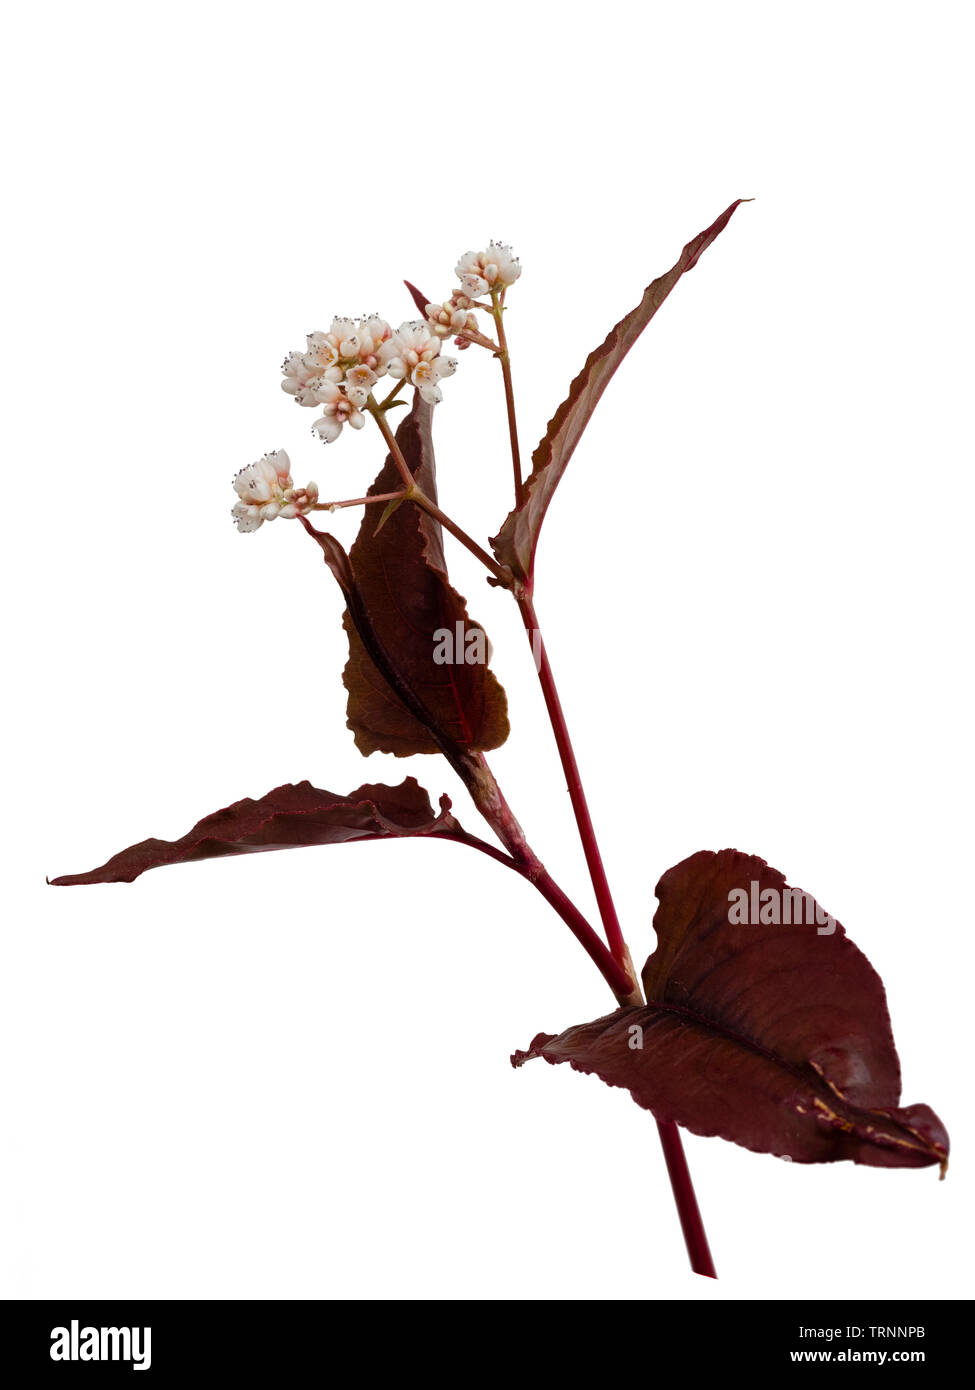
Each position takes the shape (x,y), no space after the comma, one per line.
(416,494)
(490,801)
(360,501)
(497,310)
(577,794)
(685,1199)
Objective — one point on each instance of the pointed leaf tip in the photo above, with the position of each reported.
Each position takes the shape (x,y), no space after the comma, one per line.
(289,817)
(419,299)
(516,542)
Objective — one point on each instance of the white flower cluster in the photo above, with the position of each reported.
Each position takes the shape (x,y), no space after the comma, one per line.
(452,316)
(413,354)
(482,271)
(339,368)
(266,490)
(479,272)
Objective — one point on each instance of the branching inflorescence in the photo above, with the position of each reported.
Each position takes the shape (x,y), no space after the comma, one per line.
(760,1023)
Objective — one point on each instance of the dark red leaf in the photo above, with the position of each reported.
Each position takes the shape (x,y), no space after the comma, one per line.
(287,818)
(515,543)
(774,1036)
(407,600)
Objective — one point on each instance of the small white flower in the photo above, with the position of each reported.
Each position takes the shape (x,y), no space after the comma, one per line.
(301,377)
(297,501)
(266,490)
(339,409)
(247,518)
(426,375)
(322,354)
(412,343)
(372,333)
(412,354)
(347,345)
(348,349)
(359,381)
(257,481)
(481,271)
(449,318)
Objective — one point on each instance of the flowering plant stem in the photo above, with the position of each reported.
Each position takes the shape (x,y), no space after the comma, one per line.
(577,795)
(490,801)
(360,501)
(500,572)
(680,1178)
(495,810)
(504,357)
(618,969)
(692,1226)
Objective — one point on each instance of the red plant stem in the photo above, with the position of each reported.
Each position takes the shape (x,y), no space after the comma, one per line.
(577,795)
(612,972)
(490,801)
(590,940)
(695,1237)
(523,861)
(478,778)
(688,1211)
(495,809)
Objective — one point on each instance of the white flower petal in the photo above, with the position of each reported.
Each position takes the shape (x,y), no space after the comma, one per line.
(244,521)
(328,428)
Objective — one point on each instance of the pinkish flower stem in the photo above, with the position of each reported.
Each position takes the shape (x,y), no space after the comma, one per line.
(359,501)
(501,572)
(415,494)
(395,451)
(387,401)
(497,311)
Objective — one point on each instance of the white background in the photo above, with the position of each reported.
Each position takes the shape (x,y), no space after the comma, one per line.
(287,1075)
